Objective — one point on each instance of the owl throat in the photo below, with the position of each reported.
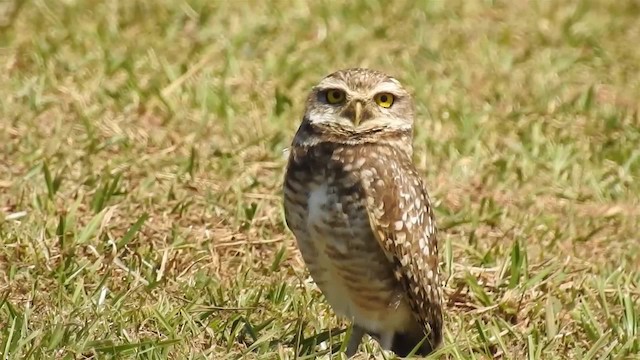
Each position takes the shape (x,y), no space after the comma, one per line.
(310,135)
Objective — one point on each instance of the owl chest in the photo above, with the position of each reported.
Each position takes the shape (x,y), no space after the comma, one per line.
(345,260)
(333,218)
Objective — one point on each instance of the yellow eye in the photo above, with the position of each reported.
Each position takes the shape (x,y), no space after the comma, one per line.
(335,96)
(384,99)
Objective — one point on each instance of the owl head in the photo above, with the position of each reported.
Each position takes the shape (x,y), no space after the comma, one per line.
(359,102)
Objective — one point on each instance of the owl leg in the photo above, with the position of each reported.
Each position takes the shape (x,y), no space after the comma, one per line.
(386,340)
(354,340)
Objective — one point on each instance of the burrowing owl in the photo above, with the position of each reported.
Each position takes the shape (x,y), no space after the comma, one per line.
(360,213)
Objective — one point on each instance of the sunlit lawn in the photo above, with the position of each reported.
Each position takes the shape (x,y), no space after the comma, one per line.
(141,163)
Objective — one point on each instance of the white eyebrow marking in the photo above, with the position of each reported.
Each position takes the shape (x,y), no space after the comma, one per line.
(331,83)
(386,87)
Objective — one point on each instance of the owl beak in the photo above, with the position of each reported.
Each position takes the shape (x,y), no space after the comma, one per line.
(357,113)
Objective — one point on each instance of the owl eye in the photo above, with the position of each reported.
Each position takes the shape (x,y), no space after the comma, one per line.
(384,100)
(335,96)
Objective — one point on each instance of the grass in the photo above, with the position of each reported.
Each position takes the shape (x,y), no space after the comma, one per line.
(141,163)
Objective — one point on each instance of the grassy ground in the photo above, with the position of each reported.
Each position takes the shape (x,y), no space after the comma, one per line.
(141,163)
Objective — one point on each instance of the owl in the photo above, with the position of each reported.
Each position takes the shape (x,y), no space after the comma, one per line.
(360,212)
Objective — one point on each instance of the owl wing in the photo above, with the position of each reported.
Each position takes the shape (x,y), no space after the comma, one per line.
(402,222)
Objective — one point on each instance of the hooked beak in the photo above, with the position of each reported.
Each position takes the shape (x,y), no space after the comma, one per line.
(354,112)
(358,113)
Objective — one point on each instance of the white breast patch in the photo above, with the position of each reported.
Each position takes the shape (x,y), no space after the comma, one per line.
(318,200)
